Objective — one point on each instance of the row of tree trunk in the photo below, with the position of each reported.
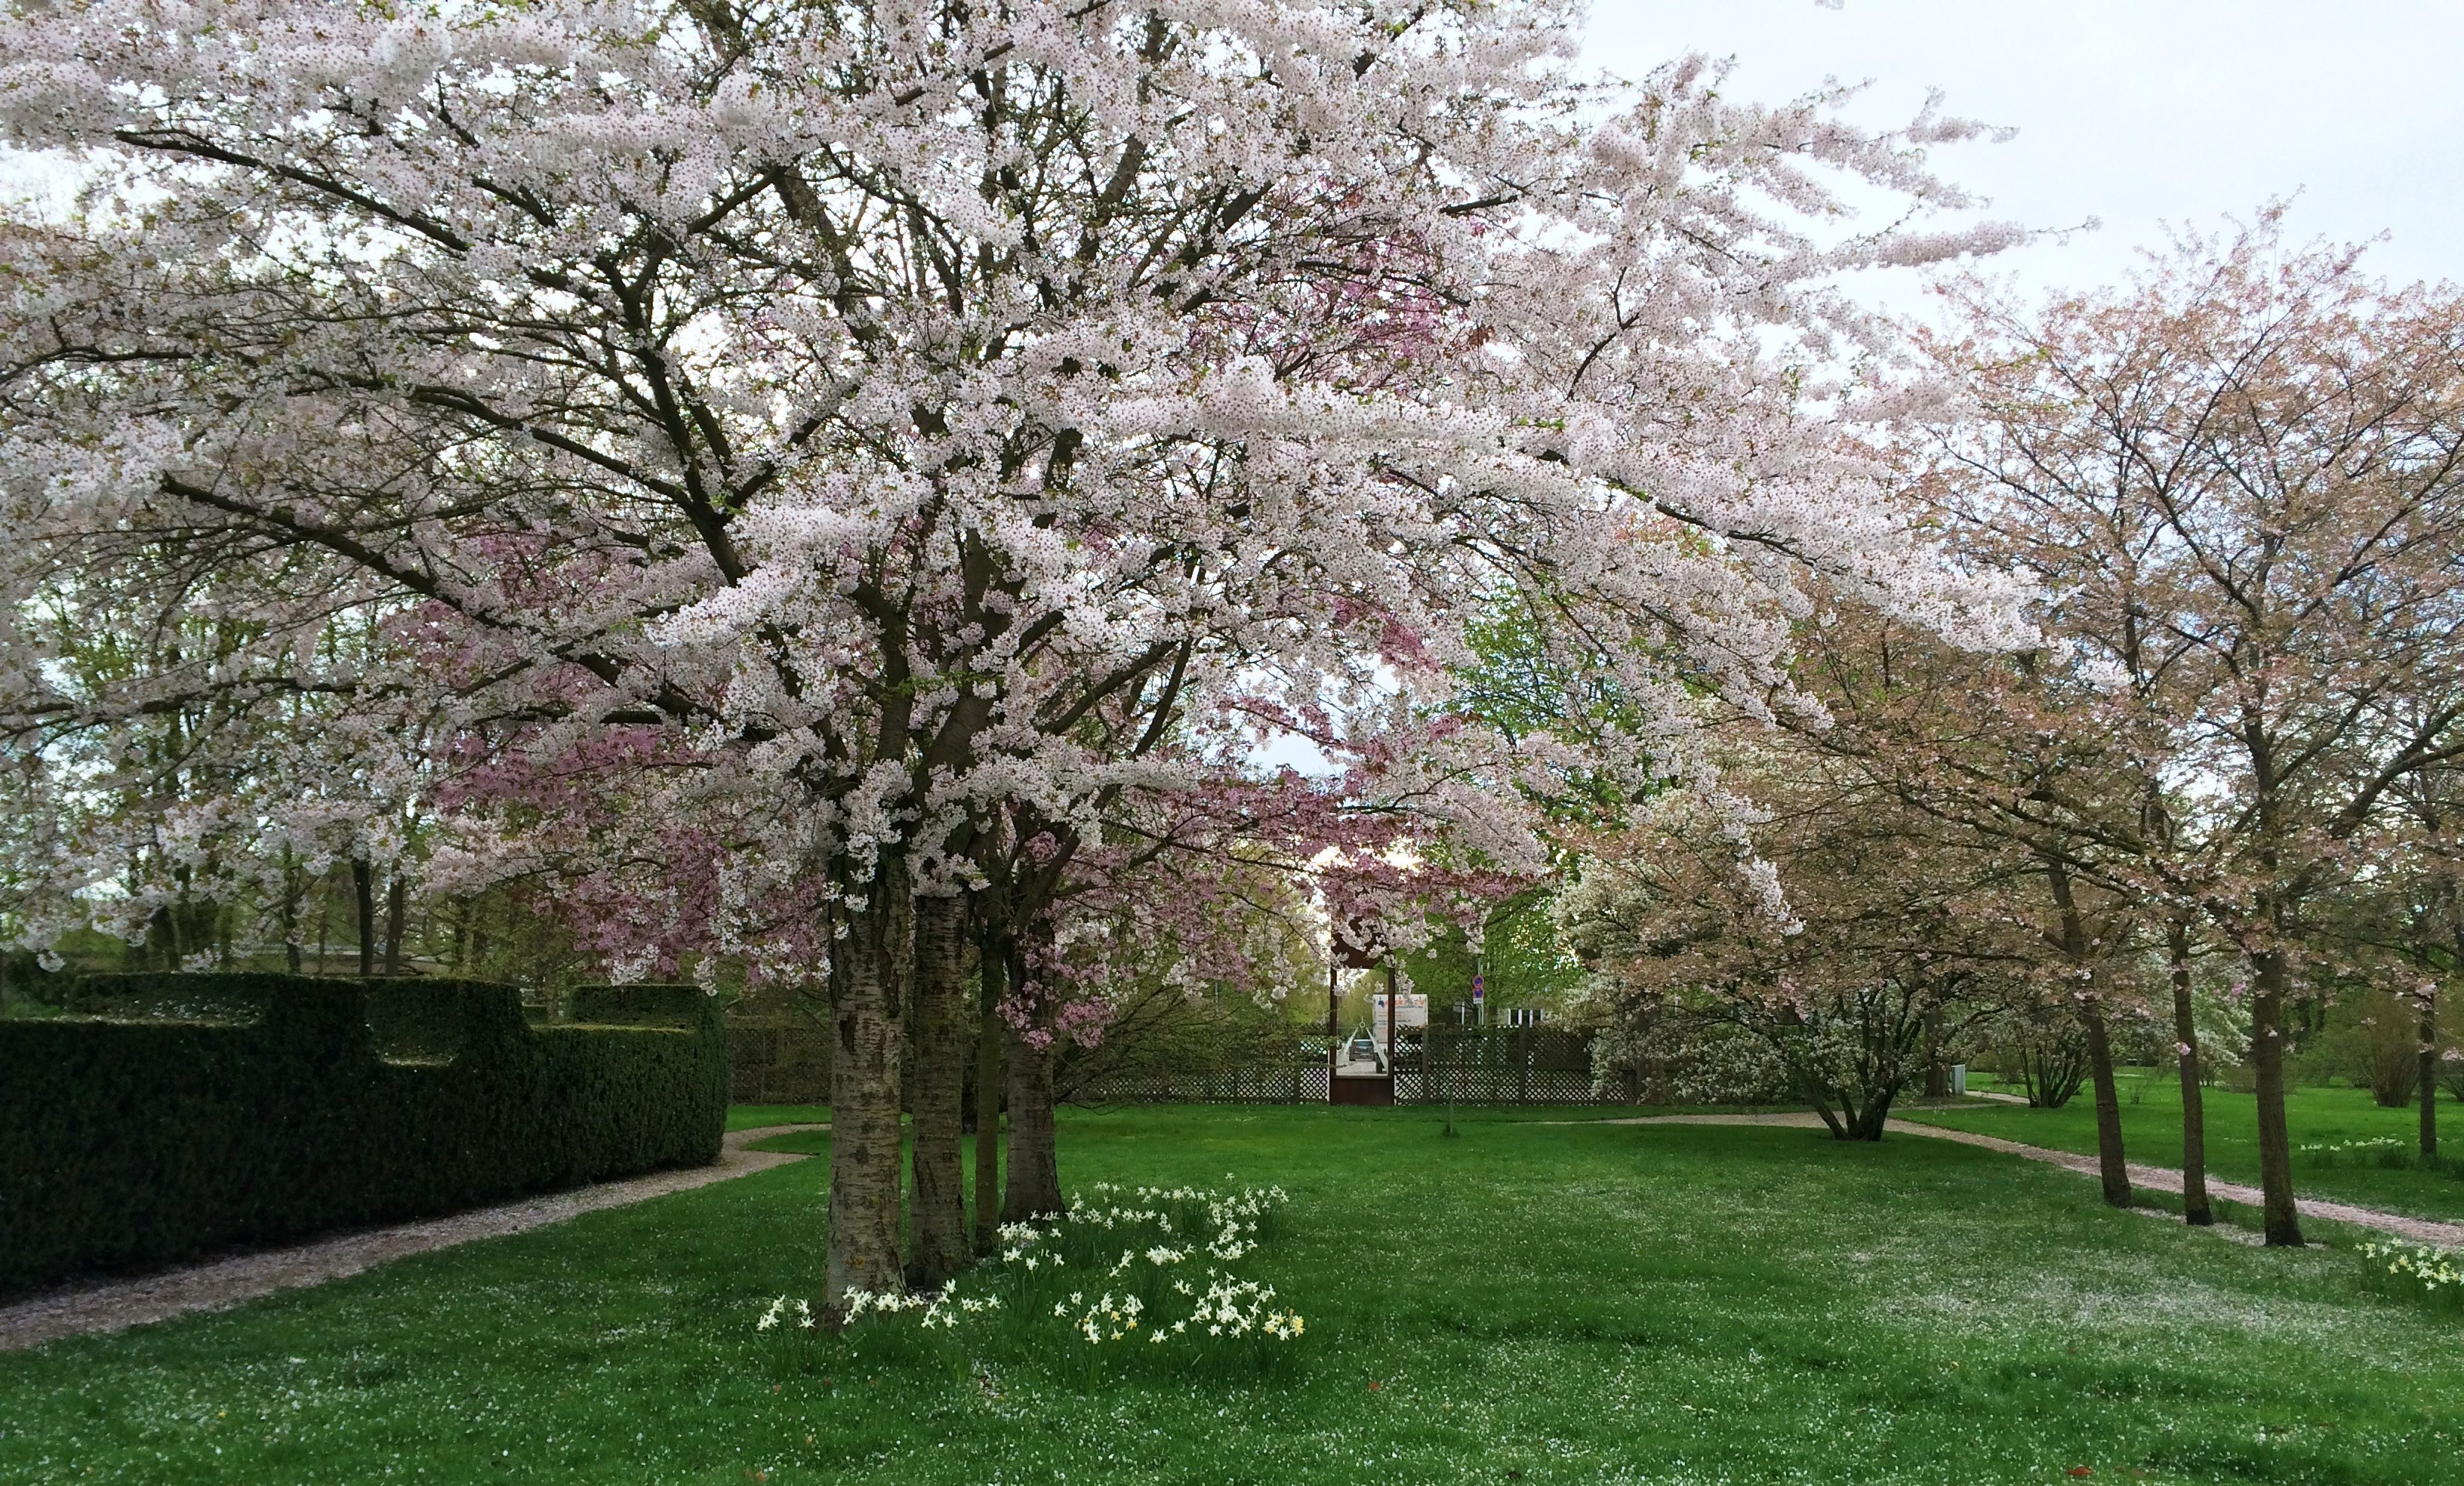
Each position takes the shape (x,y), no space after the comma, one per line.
(2279,1215)
(896,1224)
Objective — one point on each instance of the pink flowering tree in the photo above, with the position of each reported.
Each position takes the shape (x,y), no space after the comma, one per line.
(2237,481)
(761,445)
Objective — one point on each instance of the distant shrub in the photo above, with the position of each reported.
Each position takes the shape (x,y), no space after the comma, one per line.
(2377,1150)
(2386,1152)
(2376,1043)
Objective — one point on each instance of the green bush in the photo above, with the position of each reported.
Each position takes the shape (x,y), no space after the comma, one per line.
(2376,1043)
(167,1115)
(640,1005)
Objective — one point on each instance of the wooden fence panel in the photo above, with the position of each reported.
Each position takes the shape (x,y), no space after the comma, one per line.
(778,1062)
(1472,1065)
(1291,1084)
(787,1061)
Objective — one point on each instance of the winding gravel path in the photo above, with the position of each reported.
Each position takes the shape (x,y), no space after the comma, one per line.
(2417,1229)
(217,1284)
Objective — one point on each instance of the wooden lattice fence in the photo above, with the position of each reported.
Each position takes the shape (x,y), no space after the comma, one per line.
(1471,1066)
(1297,1083)
(1500,1065)
(777,1061)
(786,1061)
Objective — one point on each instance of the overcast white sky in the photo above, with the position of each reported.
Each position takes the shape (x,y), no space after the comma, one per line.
(2135,112)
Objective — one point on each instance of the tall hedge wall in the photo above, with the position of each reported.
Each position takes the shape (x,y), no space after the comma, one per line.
(167,1115)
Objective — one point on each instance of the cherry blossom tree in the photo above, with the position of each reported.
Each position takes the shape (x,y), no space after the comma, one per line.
(1861,933)
(754,442)
(2409,919)
(2020,760)
(2244,476)
(1177,881)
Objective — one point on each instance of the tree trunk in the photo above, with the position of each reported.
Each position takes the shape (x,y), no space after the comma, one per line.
(1656,1091)
(1034,1165)
(397,894)
(2077,944)
(1822,1102)
(364,891)
(2429,1076)
(2111,1164)
(2279,1218)
(992,1034)
(1937,1072)
(867,972)
(290,893)
(2195,1210)
(937,1223)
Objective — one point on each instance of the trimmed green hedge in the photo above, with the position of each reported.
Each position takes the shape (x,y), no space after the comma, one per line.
(167,1115)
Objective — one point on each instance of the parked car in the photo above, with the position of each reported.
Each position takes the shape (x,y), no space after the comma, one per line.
(1361,1049)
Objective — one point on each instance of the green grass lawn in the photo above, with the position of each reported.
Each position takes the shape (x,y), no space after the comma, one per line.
(752,1117)
(1574,1304)
(2151,1132)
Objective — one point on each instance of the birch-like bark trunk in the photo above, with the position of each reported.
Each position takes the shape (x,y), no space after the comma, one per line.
(868,992)
(937,1246)
(1034,1188)
(992,1036)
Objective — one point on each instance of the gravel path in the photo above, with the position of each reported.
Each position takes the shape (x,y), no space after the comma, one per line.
(110,1306)
(2417,1229)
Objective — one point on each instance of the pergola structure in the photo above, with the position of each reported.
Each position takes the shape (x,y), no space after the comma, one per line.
(1357,947)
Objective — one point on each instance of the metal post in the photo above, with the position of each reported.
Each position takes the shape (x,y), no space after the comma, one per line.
(1333,1042)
